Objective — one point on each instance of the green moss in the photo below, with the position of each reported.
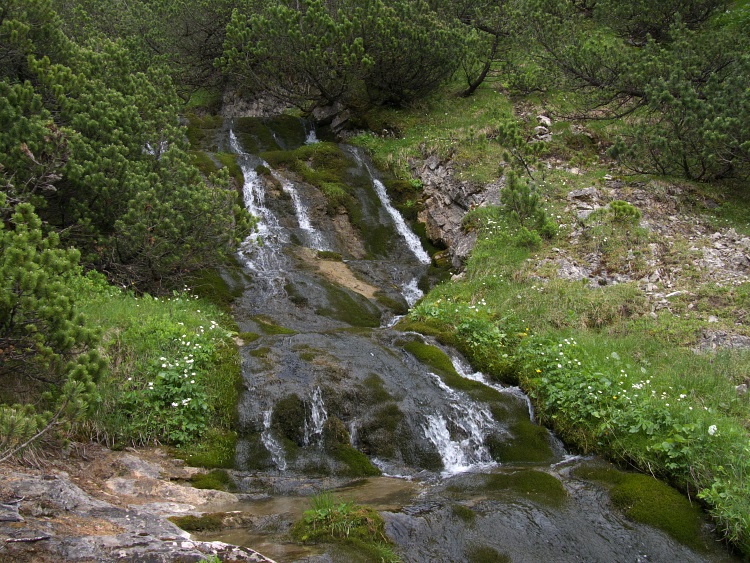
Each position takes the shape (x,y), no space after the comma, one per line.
(357,463)
(203,162)
(229,160)
(349,307)
(271,328)
(329,255)
(375,389)
(206,523)
(332,521)
(379,433)
(396,306)
(530,443)
(218,480)
(535,485)
(288,418)
(215,449)
(464,513)
(248,337)
(295,296)
(261,352)
(222,286)
(441,364)
(650,501)
(486,554)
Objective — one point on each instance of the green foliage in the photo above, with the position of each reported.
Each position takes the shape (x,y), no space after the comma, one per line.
(523,205)
(92,138)
(625,212)
(48,351)
(217,479)
(683,87)
(331,520)
(357,53)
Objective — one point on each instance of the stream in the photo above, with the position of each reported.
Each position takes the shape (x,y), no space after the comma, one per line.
(336,399)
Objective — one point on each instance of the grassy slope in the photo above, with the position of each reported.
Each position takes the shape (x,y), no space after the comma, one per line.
(604,372)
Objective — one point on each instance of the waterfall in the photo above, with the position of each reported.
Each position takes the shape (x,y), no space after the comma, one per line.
(310,138)
(465,372)
(261,251)
(412,240)
(473,420)
(318,416)
(408,235)
(411,292)
(314,237)
(272,445)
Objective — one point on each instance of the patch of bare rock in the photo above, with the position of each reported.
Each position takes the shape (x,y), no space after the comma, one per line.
(99,505)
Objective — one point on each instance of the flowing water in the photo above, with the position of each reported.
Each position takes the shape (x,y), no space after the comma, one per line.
(327,379)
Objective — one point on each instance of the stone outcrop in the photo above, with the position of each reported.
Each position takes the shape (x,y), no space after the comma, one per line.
(446,201)
(111,508)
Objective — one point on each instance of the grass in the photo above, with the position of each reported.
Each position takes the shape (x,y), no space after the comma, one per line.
(142,335)
(330,520)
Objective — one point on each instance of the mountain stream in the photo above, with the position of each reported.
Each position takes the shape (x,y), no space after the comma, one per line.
(335,400)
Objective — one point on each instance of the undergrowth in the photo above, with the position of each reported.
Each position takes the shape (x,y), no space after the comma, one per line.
(174,372)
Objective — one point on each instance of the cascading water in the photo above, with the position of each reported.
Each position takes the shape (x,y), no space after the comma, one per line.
(466,372)
(261,251)
(411,292)
(408,235)
(272,445)
(314,237)
(412,240)
(465,448)
(318,417)
(469,452)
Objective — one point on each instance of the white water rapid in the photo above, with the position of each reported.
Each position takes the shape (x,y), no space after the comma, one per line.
(272,445)
(465,371)
(318,416)
(469,452)
(261,251)
(314,237)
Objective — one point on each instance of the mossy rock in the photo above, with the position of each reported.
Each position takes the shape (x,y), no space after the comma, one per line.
(398,306)
(375,390)
(434,358)
(357,464)
(530,444)
(335,434)
(216,449)
(349,307)
(248,337)
(206,523)
(288,418)
(295,296)
(261,352)
(486,554)
(217,479)
(464,513)
(329,255)
(253,455)
(270,328)
(536,486)
(650,501)
(379,432)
